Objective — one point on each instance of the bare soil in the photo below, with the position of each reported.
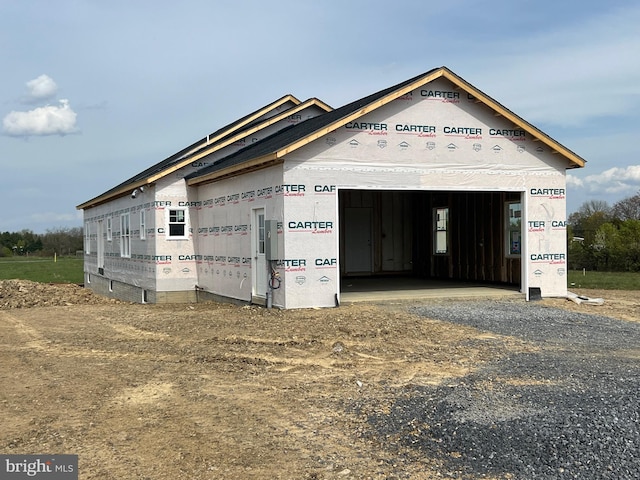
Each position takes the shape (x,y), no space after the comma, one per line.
(216,391)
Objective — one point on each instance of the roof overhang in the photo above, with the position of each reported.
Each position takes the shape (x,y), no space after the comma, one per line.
(112,195)
(257,163)
(574,161)
(212,145)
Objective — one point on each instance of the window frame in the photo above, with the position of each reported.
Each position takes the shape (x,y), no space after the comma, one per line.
(183,223)
(87,238)
(109,229)
(509,230)
(143,225)
(125,235)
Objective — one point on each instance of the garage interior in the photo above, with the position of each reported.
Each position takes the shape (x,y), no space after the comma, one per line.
(393,240)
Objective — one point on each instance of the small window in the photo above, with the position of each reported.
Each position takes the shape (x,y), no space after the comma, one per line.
(441,230)
(125,235)
(109,230)
(261,233)
(143,225)
(177,223)
(111,285)
(514,228)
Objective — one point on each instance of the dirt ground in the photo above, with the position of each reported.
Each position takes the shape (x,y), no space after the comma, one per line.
(215,391)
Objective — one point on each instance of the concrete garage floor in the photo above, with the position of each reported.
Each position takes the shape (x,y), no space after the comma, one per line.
(378,289)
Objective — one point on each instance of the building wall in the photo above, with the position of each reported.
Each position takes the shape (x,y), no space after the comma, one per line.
(139,268)
(225,236)
(434,139)
(165,267)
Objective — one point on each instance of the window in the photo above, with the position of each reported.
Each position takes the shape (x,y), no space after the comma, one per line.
(125,235)
(109,230)
(261,233)
(441,230)
(87,238)
(514,228)
(143,225)
(177,223)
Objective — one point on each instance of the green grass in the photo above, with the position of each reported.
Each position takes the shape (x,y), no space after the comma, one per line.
(604,280)
(41,269)
(69,270)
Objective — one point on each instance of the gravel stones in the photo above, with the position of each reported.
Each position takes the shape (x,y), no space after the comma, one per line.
(567,408)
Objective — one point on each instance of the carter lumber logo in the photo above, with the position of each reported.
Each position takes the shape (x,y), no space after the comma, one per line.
(548,192)
(441,95)
(514,135)
(313,227)
(551,258)
(419,130)
(370,128)
(289,190)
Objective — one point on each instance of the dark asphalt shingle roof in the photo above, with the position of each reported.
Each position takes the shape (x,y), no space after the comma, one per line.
(287,136)
(227,131)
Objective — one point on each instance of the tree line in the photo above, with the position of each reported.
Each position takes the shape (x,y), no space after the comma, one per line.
(59,241)
(604,237)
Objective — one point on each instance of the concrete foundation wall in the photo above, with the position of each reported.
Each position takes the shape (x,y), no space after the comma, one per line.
(131,293)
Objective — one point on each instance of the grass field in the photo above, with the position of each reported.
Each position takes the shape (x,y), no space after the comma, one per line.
(41,269)
(604,280)
(69,270)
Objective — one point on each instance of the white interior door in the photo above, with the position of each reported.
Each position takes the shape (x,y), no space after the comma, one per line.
(357,240)
(259,266)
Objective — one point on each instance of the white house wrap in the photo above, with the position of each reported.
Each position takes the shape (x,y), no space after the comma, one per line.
(429,178)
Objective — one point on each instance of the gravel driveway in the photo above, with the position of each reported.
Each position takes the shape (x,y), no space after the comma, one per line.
(567,408)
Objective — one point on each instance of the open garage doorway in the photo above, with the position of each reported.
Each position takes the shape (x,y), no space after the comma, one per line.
(396,239)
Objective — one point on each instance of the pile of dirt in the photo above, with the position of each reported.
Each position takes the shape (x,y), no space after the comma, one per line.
(25,294)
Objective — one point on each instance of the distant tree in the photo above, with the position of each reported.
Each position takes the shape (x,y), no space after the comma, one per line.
(30,242)
(630,244)
(589,217)
(63,241)
(627,209)
(606,247)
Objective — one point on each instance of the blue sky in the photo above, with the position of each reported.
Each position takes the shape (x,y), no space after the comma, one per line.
(93,92)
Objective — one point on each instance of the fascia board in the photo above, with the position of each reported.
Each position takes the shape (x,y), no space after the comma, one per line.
(233,170)
(362,111)
(125,190)
(204,152)
(209,142)
(255,116)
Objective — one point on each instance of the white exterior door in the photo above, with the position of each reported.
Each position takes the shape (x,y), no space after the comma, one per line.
(259,267)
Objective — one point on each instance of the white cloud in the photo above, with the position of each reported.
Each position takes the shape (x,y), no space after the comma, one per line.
(48,120)
(616,180)
(42,88)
